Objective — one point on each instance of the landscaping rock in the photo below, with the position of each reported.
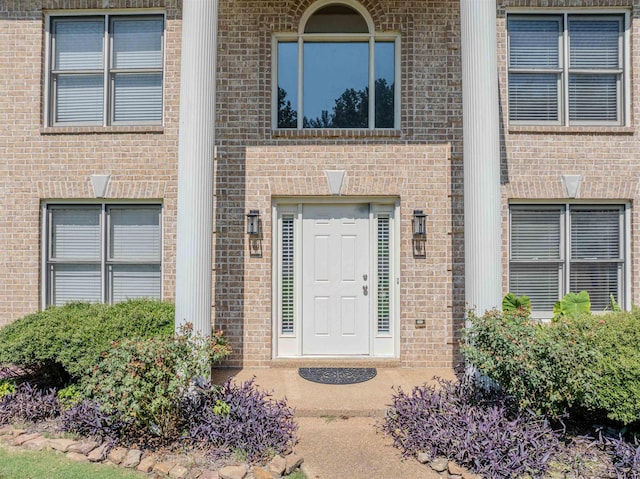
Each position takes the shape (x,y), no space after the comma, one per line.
(194,473)
(117,455)
(456,470)
(132,459)
(293,462)
(84,447)
(76,456)
(232,472)
(207,474)
(61,445)
(278,465)
(260,473)
(163,468)
(17,432)
(423,457)
(5,430)
(439,464)
(99,454)
(147,464)
(470,475)
(179,472)
(37,444)
(22,438)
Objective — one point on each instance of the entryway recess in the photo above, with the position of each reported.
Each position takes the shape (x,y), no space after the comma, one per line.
(335,279)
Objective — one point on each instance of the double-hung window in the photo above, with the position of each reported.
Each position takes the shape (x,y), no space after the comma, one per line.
(566,69)
(325,74)
(105,70)
(102,253)
(557,249)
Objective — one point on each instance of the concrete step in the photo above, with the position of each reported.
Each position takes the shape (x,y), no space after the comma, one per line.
(367,399)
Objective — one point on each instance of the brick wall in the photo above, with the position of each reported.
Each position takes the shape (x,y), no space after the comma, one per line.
(420,163)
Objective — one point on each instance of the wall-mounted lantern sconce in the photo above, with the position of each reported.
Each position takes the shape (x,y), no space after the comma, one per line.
(253,223)
(254,231)
(419,230)
(419,224)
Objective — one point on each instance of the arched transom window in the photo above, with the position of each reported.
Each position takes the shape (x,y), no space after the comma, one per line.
(326,72)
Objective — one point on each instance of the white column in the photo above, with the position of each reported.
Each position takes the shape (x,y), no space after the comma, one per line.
(195,164)
(481,134)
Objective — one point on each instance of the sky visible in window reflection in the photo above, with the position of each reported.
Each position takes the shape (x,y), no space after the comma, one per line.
(336,78)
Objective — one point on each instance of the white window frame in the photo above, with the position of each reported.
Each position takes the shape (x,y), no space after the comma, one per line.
(385,344)
(371,38)
(563,71)
(565,260)
(107,70)
(106,261)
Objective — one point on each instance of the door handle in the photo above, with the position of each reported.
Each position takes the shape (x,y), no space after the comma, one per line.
(365,290)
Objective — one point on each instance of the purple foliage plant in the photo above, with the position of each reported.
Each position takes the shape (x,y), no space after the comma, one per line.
(625,455)
(239,417)
(475,428)
(87,419)
(29,404)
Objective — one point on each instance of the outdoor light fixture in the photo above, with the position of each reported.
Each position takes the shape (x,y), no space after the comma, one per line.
(419,225)
(253,223)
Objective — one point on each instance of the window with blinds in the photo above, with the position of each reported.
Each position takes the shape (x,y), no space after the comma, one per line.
(287,253)
(103,253)
(384,276)
(106,70)
(566,69)
(566,248)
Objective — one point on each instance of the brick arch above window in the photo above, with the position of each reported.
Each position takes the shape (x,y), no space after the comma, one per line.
(373,7)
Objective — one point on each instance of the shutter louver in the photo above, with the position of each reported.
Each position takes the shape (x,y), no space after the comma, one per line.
(593,98)
(135,234)
(541,282)
(75,234)
(535,234)
(534,43)
(78,45)
(137,98)
(535,256)
(129,281)
(79,99)
(76,282)
(600,280)
(594,44)
(595,234)
(533,97)
(137,43)
(287,279)
(596,254)
(384,276)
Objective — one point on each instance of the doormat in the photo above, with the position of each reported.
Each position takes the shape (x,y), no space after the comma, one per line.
(337,375)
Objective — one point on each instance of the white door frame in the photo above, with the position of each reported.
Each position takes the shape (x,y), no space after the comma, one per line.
(288,343)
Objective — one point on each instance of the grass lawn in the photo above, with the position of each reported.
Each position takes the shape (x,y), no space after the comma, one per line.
(19,464)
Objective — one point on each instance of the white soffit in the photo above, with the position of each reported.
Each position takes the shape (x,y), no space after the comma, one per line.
(100,184)
(335,178)
(571,184)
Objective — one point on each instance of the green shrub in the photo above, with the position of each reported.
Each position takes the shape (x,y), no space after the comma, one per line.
(67,340)
(578,362)
(6,387)
(616,343)
(544,366)
(516,304)
(70,396)
(144,382)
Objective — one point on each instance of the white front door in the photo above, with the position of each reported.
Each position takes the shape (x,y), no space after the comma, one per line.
(336,280)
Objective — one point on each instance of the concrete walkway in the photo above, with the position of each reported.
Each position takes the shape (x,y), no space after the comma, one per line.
(338,437)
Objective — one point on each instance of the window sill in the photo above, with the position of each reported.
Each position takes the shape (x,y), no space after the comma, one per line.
(335,133)
(569,130)
(86,130)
